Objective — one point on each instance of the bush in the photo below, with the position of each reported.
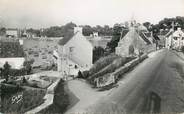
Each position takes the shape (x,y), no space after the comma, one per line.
(61,101)
(29,99)
(10,48)
(112,67)
(101,63)
(85,74)
(7,91)
(182,49)
(97,53)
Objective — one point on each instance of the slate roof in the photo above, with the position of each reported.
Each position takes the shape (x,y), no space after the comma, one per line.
(123,33)
(67,38)
(156,37)
(144,37)
(147,34)
(164,32)
(168,34)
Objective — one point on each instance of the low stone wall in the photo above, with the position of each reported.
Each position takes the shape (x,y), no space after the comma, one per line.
(60,100)
(49,98)
(111,78)
(179,54)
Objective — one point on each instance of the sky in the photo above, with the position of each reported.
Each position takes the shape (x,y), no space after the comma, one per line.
(46,13)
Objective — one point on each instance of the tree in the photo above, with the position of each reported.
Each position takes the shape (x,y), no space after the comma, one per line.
(117,30)
(34,31)
(147,25)
(97,53)
(80,74)
(6,70)
(87,30)
(28,66)
(1,72)
(182,49)
(2,31)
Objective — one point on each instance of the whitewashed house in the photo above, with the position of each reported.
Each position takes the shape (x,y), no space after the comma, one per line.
(174,39)
(75,52)
(134,41)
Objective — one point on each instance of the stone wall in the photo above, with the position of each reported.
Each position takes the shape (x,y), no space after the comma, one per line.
(111,78)
(49,98)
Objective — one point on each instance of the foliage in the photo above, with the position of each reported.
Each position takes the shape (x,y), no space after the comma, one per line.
(34,31)
(62,31)
(182,49)
(84,74)
(27,66)
(11,49)
(101,63)
(87,30)
(165,24)
(7,91)
(58,31)
(61,101)
(117,33)
(80,74)
(6,70)
(30,99)
(118,62)
(97,53)
(2,31)
(147,25)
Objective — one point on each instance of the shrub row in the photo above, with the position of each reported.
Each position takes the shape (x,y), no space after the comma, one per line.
(28,99)
(111,78)
(112,67)
(60,102)
(101,63)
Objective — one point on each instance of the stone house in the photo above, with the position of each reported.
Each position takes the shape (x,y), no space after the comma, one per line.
(137,40)
(75,51)
(174,39)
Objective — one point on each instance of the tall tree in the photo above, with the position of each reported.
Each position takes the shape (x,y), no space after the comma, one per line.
(87,30)
(97,53)
(117,29)
(147,25)
(2,31)
(6,70)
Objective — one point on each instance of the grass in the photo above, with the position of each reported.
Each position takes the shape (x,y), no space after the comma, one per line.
(101,63)
(115,64)
(61,101)
(29,99)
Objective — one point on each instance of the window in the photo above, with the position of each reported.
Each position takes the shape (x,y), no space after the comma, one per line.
(71,49)
(175,38)
(182,38)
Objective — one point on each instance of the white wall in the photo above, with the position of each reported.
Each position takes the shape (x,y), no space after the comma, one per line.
(82,50)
